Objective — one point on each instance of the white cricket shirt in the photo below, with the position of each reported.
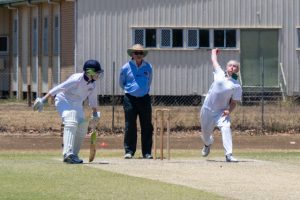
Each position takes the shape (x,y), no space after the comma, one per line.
(75,90)
(221,91)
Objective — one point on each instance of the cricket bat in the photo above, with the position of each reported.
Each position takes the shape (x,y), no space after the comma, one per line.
(93,144)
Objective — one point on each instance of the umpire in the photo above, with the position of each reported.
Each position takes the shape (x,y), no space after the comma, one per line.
(135,79)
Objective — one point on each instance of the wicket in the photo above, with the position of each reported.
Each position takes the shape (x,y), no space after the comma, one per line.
(160,128)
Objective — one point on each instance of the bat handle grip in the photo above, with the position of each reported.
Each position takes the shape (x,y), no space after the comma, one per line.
(94,124)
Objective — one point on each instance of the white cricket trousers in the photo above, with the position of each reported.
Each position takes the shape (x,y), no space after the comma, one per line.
(209,120)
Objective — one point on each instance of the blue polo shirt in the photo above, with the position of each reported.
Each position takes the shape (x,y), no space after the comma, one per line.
(136,80)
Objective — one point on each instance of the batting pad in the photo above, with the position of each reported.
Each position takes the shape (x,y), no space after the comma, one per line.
(70,128)
(80,134)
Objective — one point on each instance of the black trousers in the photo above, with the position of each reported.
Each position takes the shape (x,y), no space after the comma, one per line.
(133,107)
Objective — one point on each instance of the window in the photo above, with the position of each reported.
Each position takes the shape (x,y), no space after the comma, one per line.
(35,37)
(186,38)
(150,38)
(197,38)
(177,38)
(3,44)
(224,38)
(230,38)
(139,36)
(171,38)
(56,36)
(145,37)
(45,37)
(203,38)
(192,38)
(165,38)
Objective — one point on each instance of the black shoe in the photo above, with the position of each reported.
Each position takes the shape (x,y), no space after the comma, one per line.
(72,159)
(148,156)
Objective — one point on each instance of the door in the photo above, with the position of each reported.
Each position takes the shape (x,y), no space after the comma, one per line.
(259,53)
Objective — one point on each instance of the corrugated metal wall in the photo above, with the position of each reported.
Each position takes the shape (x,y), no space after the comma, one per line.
(25,52)
(4,21)
(37,68)
(56,58)
(288,48)
(104,32)
(34,59)
(67,39)
(15,62)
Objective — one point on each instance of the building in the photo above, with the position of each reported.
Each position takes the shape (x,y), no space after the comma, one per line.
(37,45)
(179,34)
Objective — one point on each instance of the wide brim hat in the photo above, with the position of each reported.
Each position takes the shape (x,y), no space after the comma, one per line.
(136,47)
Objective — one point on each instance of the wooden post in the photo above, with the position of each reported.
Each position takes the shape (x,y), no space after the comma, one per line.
(29,95)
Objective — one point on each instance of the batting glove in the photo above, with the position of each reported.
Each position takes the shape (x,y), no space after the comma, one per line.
(96,117)
(38,104)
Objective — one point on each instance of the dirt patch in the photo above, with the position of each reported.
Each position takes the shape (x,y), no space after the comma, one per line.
(248,179)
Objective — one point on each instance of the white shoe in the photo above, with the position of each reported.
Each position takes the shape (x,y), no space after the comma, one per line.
(128,156)
(206,150)
(230,158)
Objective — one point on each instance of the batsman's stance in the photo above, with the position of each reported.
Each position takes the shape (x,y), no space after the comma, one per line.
(220,101)
(69,97)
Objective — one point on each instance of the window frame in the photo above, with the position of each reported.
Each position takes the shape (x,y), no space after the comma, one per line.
(209,37)
(224,38)
(197,38)
(134,35)
(145,37)
(166,35)
(170,38)
(182,37)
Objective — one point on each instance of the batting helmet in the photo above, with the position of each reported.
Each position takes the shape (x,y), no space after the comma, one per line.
(92,67)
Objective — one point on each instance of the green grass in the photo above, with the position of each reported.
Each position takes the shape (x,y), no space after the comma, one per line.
(39,175)
(281,156)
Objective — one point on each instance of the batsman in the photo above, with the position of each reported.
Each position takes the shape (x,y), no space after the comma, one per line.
(69,97)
